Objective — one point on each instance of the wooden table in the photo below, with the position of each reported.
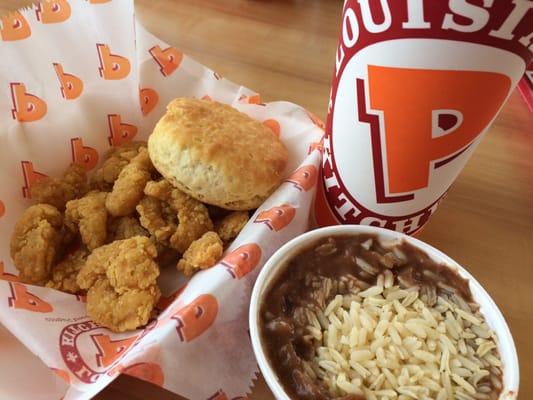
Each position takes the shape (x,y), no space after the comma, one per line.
(285,49)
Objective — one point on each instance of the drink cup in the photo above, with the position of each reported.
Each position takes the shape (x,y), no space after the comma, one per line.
(416,86)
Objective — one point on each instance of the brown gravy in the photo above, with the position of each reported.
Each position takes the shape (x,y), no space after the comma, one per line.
(281,330)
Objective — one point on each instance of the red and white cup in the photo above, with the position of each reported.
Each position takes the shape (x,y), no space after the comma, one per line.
(416,86)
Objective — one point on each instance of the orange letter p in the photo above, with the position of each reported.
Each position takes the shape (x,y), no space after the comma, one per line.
(431,116)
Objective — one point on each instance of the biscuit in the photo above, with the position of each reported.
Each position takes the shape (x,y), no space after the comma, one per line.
(217,154)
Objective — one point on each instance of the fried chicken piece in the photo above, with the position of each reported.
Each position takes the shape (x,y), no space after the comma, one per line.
(193,216)
(129,186)
(158,218)
(65,272)
(121,282)
(127,264)
(89,216)
(121,312)
(115,160)
(124,228)
(36,241)
(127,227)
(57,192)
(203,253)
(230,226)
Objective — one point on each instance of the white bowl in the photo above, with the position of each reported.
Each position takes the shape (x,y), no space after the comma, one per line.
(489,309)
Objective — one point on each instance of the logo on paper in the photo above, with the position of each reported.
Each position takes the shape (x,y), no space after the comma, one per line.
(53,12)
(27,107)
(168,59)
(276,218)
(196,317)
(22,299)
(31,177)
(242,260)
(71,86)
(14,27)
(108,350)
(112,66)
(304,178)
(119,132)
(148,98)
(85,156)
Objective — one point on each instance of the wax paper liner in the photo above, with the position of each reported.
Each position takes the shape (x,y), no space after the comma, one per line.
(78,77)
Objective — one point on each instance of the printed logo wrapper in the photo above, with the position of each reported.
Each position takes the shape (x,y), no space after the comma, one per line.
(76,78)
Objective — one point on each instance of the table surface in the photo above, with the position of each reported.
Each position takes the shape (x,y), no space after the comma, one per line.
(285,49)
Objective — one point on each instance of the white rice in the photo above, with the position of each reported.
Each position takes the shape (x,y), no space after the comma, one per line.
(386,343)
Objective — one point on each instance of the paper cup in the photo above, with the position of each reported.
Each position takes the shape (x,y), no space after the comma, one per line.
(279,260)
(414,90)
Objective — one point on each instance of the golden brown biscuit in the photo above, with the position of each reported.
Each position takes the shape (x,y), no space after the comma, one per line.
(217,154)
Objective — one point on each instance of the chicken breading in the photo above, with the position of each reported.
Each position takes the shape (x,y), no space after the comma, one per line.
(35,242)
(115,160)
(58,191)
(124,228)
(89,216)
(158,218)
(129,186)
(121,282)
(64,273)
(229,227)
(203,253)
(192,215)
(121,312)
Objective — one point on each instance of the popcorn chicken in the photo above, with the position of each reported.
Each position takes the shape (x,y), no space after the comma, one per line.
(89,216)
(128,188)
(57,192)
(121,281)
(36,241)
(229,227)
(116,159)
(192,215)
(203,253)
(64,273)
